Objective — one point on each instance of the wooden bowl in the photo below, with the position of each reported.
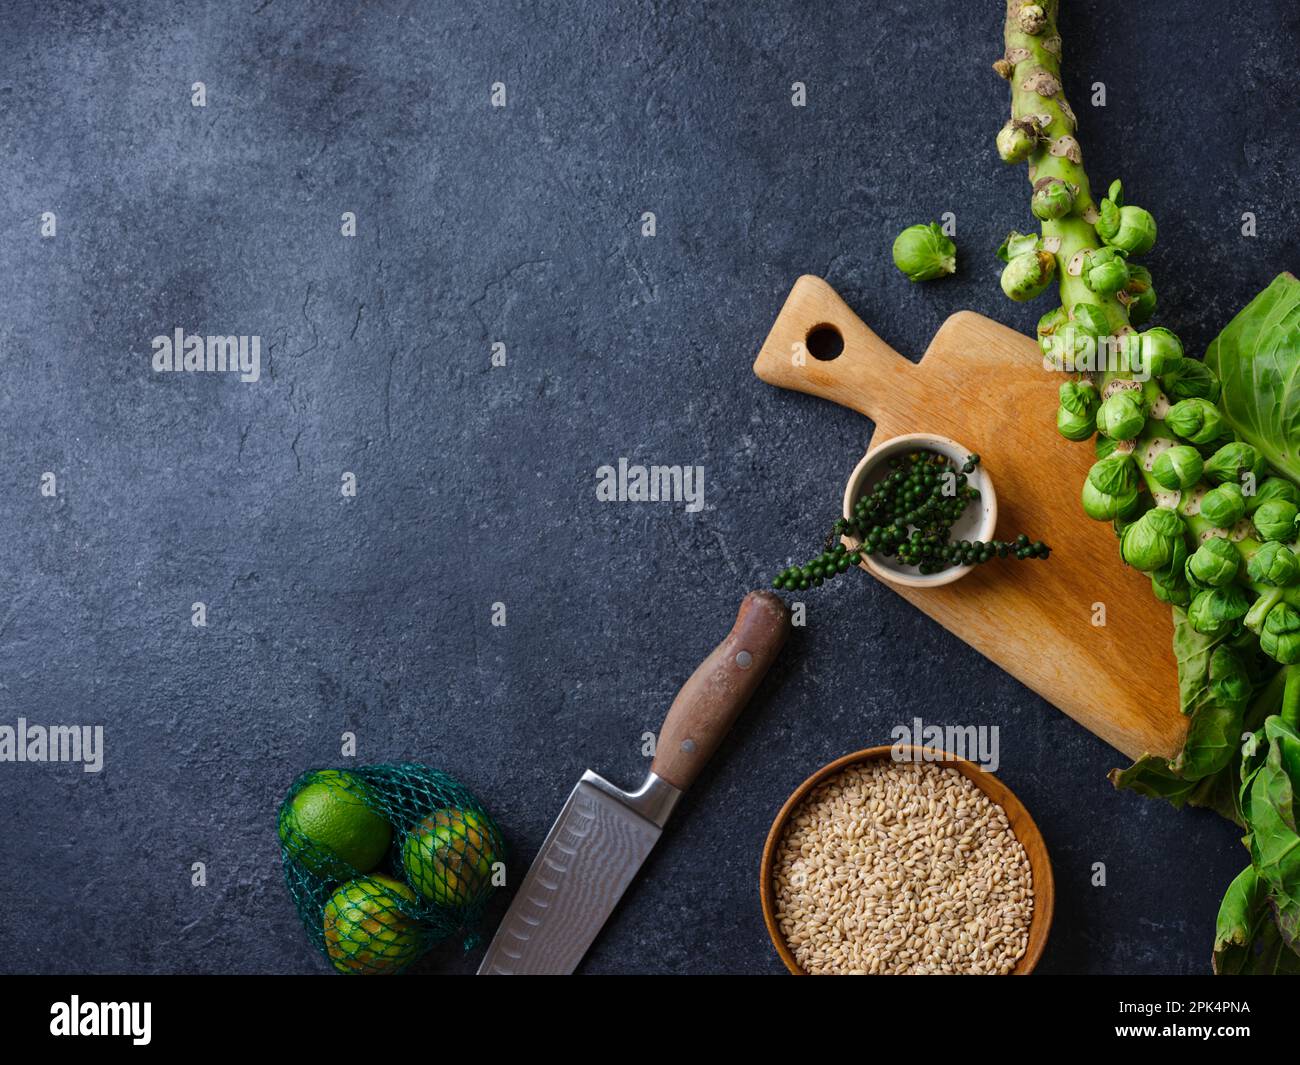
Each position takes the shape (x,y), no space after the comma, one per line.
(1021,824)
(977,523)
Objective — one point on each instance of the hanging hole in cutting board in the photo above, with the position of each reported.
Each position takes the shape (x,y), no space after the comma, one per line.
(824,342)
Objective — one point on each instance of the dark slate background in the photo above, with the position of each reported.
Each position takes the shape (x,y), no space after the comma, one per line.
(477,484)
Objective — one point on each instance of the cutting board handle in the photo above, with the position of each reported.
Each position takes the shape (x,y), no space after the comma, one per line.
(711,700)
(867,375)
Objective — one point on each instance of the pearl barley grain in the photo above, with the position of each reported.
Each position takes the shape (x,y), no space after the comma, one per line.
(902,868)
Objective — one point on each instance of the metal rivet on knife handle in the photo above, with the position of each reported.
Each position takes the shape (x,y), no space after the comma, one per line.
(718,690)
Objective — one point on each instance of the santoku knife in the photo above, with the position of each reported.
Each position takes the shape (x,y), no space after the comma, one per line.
(604,833)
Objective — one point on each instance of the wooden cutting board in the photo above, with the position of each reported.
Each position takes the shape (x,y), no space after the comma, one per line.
(984,386)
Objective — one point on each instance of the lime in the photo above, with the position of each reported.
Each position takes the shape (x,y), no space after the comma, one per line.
(448,856)
(365,928)
(329,828)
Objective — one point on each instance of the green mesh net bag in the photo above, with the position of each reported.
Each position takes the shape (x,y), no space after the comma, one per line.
(384,861)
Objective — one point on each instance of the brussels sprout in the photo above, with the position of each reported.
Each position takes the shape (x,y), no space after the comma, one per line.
(1091,319)
(1230,462)
(1076,416)
(1229,681)
(1188,379)
(1276,520)
(1104,271)
(1064,347)
(1280,636)
(1167,590)
(1272,488)
(1215,611)
(1122,416)
(1160,349)
(1075,426)
(1177,467)
(1115,475)
(1078,397)
(1224,506)
(924,252)
(1028,275)
(1140,295)
(1130,229)
(1150,542)
(1214,564)
(1176,568)
(1274,564)
(1053,320)
(1017,139)
(1074,336)
(1197,420)
(1103,446)
(1052,198)
(1100,506)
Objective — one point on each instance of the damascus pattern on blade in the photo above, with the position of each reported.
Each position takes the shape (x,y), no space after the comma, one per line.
(591,854)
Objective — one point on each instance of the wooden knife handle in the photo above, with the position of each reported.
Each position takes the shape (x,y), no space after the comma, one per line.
(867,376)
(711,700)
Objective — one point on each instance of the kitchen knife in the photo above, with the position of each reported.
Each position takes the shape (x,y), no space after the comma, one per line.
(604,833)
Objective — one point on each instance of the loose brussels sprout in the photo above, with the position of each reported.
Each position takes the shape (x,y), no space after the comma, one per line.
(1151,541)
(1215,611)
(1140,295)
(1160,349)
(1224,506)
(1167,590)
(1276,520)
(1280,637)
(1052,198)
(1122,416)
(1214,564)
(1272,488)
(1197,420)
(1229,681)
(1077,414)
(1189,379)
(1028,275)
(1230,462)
(1274,564)
(924,252)
(1104,271)
(1177,467)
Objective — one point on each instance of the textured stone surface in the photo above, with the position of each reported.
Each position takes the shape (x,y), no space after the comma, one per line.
(476,485)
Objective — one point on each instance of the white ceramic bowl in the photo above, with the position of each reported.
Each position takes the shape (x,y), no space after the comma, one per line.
(977,523)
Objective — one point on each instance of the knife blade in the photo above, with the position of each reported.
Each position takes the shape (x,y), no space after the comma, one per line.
(604,834)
